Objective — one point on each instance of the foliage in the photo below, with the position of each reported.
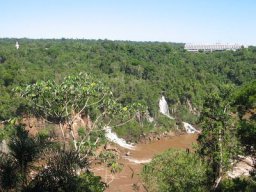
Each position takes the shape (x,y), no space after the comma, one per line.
(132,130)
(9,176)
(164,123)
(58,102)
(24,150)
(7,131)
(77,96)
(186,115)
(237,185)
(89,182)
(217,143)
(134,71)
(60,175)
(130,72)
(175,170)
(59,172)
(110,158)
(247,135)
(245,97)
(245,102)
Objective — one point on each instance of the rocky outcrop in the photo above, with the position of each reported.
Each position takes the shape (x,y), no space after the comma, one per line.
(242,167)
(153,136)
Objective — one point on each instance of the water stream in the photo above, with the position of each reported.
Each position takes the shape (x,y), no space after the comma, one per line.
(111,136)
(142,154)
(164,109)
(189,128)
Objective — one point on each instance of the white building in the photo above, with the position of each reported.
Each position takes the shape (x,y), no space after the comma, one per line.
(17,45)
(212,47)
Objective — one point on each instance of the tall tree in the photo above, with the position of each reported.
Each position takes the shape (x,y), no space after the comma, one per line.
(245,102)
(217,143)
(60,174)
(16,165)
(175,170)
(62,103)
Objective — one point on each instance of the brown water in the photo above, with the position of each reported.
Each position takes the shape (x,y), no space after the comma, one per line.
(128,179)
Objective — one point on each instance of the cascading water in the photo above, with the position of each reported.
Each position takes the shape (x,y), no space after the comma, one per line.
(163,107)
(111,136)
(189,128)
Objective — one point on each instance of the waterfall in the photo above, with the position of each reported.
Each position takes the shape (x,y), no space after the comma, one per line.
(189,128)
(111,136)
(163,107)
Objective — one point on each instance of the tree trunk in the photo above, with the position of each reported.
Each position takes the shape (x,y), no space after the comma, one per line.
(63,134)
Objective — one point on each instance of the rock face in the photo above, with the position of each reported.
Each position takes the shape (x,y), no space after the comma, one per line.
(242,167)
(109,147)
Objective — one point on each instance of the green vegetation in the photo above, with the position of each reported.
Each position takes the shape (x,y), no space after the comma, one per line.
(238,184)
(223,137)
(245,102)
(119,83)
(58,173)
(136,72)
(175,170)
(217,143)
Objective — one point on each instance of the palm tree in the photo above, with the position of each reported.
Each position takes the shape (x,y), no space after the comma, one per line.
(23,151)
(8,172)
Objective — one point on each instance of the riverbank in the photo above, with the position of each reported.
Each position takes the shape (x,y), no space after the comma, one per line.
(132,160)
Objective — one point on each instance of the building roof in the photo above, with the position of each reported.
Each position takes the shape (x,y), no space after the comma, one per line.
(212,47)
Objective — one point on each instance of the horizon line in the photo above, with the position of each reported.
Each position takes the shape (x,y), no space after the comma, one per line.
(127,40)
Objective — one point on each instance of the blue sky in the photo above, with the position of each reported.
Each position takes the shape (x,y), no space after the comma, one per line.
(191,21)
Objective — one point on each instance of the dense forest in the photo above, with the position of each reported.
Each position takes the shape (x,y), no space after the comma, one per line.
(215,90)
(134,71)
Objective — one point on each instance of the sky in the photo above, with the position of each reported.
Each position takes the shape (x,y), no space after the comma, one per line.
(187,21)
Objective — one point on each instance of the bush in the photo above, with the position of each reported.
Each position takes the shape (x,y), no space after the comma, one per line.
(237,185)
(132,130)
(175,170)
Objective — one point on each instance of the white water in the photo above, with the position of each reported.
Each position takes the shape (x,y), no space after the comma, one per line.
(111,136)
(189,128)
(163,107)
(142,161)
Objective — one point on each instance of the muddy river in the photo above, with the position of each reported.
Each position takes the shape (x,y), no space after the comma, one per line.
(129,179)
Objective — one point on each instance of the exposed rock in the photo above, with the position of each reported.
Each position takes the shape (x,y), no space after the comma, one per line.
(109,147)
(170,134)
(242,168)
(192,109)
